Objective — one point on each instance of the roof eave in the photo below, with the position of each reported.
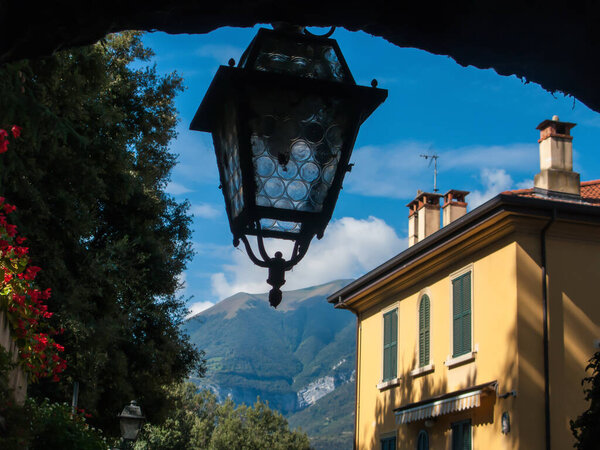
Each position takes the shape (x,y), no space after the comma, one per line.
(501,202)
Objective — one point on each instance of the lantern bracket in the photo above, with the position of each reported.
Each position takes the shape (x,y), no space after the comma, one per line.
(325,35)
(277,265)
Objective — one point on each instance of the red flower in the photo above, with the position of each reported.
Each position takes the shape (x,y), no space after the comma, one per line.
(31,272)
(3,146)
(11,229)
(3,134)
(55,378)
(20,240)
(9,208)
(16,131)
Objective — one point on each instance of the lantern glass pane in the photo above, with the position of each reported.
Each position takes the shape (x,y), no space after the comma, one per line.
(296,145)
(228,148)
(130,427)
(300,58)
(280,225)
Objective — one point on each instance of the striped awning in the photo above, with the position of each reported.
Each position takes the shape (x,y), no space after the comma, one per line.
(445,404)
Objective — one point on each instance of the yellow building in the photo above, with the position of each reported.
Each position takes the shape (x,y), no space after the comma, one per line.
(477,336)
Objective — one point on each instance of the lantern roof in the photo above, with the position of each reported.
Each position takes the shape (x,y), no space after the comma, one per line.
(286,50)
(132,411)
(281,57)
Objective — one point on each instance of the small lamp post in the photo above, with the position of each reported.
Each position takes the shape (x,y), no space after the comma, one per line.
(284,122)
(131,420)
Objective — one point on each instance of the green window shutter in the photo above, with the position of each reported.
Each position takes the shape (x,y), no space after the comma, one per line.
(456,437)
(466,319)
(456,317)
(461,435)
(467,436)
(461,315)
(388,443)
(424,308)
(394,346)
(390,337)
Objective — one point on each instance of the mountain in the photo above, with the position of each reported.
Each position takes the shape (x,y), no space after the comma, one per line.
(297,357)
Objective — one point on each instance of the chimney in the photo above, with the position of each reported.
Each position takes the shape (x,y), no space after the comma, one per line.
(556,159)
(454,205)
(423,216)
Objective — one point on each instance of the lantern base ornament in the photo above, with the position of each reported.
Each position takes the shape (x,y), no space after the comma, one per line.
(277,265)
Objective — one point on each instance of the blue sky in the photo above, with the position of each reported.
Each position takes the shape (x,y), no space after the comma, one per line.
(481,124)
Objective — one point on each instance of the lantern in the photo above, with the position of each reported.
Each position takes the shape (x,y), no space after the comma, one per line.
(284,122)
(131,420)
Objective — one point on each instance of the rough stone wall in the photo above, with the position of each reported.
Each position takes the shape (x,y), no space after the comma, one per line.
(553,43)
(17,378)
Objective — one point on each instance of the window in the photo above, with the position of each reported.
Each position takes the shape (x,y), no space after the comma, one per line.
(424,331)
(461,435)
(388,443)
(461,315)
(423,440)
(390,339)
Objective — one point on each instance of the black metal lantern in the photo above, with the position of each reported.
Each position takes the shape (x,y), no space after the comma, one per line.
(131,420)
(284,123)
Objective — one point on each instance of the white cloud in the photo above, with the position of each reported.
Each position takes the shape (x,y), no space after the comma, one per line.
(397,171)
(198,307)
(220,52)
(525,184)
(350,248)
(495,181)
(205,210)
(211,249)
(174,188)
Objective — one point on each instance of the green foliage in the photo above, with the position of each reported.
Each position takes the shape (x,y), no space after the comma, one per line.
(6,365)
(47,426)
(88,176)
(54,427)
(197,422)
(585,428)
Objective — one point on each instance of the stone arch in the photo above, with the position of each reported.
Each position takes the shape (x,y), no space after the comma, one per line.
(551,43)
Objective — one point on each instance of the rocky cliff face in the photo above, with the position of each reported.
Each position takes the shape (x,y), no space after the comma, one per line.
(314,391)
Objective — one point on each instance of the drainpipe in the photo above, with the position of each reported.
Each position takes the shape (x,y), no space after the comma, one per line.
(545,328)
(341,305)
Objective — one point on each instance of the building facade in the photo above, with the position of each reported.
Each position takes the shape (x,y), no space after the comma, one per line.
(477,336)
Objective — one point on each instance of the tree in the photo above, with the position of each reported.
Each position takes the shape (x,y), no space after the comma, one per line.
(88,177)
(197,421)
(586,427)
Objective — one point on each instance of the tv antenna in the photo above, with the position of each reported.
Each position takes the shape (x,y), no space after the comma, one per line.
(433,158)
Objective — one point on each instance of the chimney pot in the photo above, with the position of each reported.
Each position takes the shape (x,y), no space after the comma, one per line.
(454,206)
(423,216)
(556,159)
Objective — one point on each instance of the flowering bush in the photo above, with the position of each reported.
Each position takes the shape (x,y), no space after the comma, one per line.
(54,426)
(22,301)
(43,425)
